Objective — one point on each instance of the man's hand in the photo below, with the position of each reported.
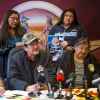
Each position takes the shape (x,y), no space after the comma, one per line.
(2,90)
(33,88)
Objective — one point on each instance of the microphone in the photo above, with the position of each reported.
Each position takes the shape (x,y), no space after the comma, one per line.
(60,79)
(96,81)
(41,76)
(60,75)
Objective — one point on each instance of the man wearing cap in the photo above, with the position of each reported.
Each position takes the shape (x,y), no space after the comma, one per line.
(22,64)
(79,66)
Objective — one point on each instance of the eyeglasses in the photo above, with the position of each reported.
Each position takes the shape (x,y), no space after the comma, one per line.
(14,18)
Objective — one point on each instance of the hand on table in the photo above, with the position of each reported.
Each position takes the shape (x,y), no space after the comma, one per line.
(33,88)
(2,91)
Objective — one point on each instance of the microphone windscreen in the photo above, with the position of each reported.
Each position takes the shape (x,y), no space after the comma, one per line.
(96,81)
(41,74)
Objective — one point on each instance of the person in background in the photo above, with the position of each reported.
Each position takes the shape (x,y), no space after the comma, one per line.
(10,33)
(68,25)
(26,64)
(79,66)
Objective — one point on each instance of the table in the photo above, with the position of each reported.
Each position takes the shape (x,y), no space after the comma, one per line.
(23,95)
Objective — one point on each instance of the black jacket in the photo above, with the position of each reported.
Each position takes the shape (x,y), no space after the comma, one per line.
(21,71)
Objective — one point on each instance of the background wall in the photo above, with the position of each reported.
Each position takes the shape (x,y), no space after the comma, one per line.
(87,11)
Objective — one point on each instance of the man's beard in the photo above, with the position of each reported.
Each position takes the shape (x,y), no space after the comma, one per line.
(35,57)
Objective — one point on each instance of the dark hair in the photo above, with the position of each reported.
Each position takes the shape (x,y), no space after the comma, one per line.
(4,34)
(82,40)
(72,10)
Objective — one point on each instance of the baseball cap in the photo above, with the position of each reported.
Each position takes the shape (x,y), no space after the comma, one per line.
(28,38)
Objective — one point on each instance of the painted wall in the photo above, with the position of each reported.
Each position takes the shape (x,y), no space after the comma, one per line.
(87,11)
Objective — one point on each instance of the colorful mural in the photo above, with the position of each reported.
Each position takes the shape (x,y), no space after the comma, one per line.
(87,11)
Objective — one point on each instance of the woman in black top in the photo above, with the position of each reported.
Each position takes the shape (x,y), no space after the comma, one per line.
(11,32)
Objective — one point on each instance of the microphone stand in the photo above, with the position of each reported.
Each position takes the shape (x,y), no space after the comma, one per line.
(40,78)
(70,83)
(60,79)
(86,87)
(50,91)
(87,97)
(69,93)
(60,96)
(85,84)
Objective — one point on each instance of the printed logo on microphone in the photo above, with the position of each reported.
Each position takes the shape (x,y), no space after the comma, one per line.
(40,68)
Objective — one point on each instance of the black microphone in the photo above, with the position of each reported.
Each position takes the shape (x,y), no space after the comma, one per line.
(41,75)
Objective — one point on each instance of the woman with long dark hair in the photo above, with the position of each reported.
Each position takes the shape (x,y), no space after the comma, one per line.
(11,32)
(69,25)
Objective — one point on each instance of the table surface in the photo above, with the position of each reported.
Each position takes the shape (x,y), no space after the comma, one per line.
(23,95)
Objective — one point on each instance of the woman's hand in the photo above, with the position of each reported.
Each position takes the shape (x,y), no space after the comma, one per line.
(64,44)
(55,41)
(2,91)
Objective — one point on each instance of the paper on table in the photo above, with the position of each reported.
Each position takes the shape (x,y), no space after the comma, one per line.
(12,93)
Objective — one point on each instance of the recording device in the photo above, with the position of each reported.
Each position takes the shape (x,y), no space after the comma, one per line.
(50,91)
(32,94)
